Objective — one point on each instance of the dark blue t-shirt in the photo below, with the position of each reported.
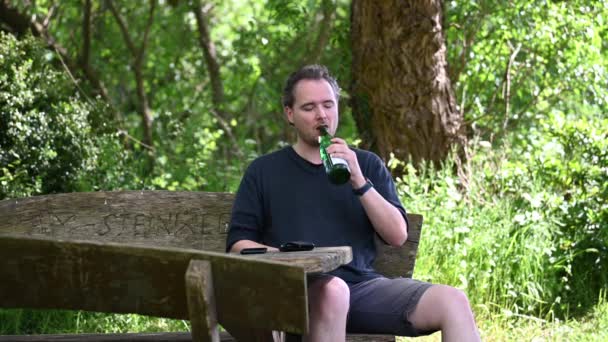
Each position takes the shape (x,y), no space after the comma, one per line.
(283,197)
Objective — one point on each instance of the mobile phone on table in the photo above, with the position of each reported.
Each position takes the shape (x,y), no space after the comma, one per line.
(255,250)
(296,246)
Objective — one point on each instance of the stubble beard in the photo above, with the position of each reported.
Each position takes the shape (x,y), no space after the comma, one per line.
(309,139)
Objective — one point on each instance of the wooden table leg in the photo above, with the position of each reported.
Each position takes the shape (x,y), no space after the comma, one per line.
(201,302)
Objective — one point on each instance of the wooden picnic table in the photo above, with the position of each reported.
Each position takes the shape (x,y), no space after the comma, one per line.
(247,294)
(318,260)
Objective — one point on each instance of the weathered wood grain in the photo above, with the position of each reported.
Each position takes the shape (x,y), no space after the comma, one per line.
(201,302)
(400,261)
(320,259)
(160,218)
(109,277)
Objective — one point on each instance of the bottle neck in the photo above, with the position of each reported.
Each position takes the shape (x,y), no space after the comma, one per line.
(324,132)
(311,152)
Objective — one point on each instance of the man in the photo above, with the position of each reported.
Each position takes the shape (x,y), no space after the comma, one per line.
(286,196)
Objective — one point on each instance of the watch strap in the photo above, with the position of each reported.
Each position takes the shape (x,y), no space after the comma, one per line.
(365,188)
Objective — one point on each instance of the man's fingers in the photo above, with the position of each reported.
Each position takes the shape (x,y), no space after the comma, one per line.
(338,141)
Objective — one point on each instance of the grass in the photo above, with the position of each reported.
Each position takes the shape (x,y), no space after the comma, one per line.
(24,321)
(504,240)
(500,327)
(497,327)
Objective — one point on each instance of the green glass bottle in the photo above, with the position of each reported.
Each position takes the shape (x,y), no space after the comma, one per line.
(337,168)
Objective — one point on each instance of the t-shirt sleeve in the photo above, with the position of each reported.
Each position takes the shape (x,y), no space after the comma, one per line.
(247,211)
(383,182)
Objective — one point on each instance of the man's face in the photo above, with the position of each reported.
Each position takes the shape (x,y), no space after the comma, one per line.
(315,105)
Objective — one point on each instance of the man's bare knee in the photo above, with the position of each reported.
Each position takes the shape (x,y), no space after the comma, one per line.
(329,297)
(459,300)
(442,307)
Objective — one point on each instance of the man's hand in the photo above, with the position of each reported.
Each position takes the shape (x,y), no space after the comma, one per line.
(386,219)
(339,149)
(242,244)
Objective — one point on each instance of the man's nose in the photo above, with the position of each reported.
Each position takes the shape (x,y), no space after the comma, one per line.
(321,114)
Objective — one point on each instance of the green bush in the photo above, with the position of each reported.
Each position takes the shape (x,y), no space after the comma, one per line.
(524,231)
(45,136)
(575,171)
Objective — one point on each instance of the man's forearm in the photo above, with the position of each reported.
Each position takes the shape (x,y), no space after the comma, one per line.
(386,219)
(242,244)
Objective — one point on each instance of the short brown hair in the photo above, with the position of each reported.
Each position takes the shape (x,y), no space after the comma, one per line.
(307,72)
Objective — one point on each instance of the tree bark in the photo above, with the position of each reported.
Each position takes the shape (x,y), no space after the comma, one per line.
(402,97)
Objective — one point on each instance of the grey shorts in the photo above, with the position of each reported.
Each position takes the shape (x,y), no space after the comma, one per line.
(381,306)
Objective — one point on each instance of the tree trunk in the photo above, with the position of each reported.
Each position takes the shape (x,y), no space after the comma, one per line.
(402,98)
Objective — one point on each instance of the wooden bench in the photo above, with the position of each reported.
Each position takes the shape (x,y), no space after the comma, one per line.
(196,222)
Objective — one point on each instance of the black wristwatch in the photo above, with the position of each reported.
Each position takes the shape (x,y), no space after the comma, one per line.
(362,190)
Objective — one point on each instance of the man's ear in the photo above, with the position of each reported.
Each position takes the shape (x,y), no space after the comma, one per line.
(289,114)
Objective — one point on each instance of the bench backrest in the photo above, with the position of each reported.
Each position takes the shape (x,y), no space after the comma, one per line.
(197,220)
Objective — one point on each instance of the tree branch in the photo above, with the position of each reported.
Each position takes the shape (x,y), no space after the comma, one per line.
(123,27)
(86,34)
(224,124)
(138,61)
(507,89)
(468,38)
(328,10)
(213,67)
(47,19)
(144,43)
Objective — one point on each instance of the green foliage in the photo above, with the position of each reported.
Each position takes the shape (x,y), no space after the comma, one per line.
(278,37)
(45,140)
(526,231)
(572,165)
(195,146)
(512,63)
(19,321)
(113,167)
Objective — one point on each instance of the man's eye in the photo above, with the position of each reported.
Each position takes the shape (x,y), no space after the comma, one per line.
(308,108)
(328,105)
